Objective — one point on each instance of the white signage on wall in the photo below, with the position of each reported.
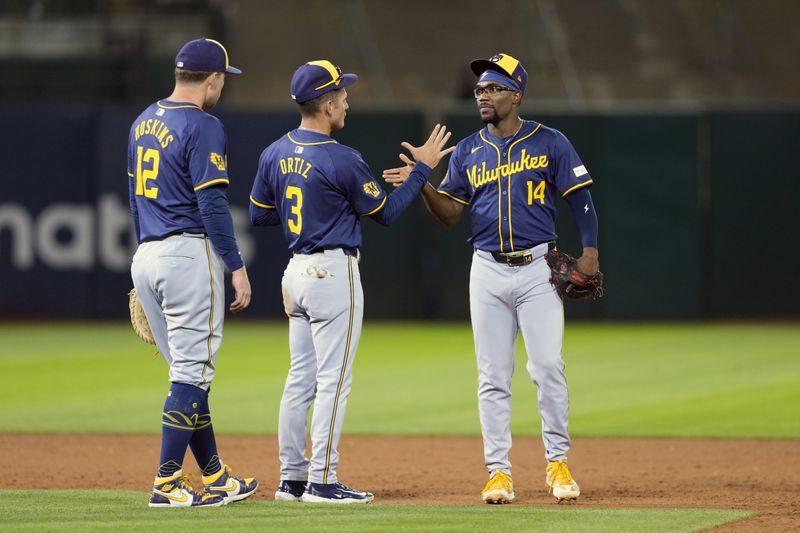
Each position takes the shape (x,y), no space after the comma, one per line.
(67,236)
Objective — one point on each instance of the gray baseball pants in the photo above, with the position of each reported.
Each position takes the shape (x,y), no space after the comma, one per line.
(503,301)
(179,281)
(324,301)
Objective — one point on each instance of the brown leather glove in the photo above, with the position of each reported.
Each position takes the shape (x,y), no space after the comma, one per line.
(570,282)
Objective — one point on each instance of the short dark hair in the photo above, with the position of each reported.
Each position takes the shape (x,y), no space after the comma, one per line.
(309,108)
(191,76)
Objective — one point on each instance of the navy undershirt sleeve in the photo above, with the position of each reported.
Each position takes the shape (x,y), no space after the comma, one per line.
(217,220)
(399,200)
(134,209)
(580,203)
(261,216)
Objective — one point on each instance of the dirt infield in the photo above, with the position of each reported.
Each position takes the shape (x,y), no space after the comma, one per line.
(762,476)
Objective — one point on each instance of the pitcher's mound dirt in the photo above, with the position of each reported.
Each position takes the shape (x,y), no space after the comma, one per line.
(757,475)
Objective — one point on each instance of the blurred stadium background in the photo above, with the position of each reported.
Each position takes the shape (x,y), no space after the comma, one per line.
(686,112)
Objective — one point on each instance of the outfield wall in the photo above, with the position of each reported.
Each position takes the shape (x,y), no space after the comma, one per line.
(690,204)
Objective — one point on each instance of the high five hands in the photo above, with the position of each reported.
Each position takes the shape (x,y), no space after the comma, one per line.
(429,153)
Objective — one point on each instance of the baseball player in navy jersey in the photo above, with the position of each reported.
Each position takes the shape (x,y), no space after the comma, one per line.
(509,175)
(318,190)
(177,172)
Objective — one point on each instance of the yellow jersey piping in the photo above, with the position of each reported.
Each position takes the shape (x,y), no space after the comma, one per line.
(376,209)
(210,183)
(578,186)
(309,144)
(259,204)
(162,106)
(499,209)
(459,200)
(508,162)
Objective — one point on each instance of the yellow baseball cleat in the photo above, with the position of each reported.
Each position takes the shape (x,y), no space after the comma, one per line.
(499,489)
(560,481)
(175,491)
(228,486)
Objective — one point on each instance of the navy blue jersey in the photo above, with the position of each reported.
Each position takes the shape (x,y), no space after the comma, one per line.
(319,188)
(174,150)
(511,184)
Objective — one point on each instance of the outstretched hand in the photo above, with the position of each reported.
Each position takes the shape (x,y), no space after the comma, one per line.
(429,153)
(434,149)
(398,176)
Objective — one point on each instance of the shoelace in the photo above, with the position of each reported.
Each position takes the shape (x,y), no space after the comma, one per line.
(183,483)
(560,475)
(345,487)
(499,480)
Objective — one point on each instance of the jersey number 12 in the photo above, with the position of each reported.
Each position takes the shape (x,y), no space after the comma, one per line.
(153,157)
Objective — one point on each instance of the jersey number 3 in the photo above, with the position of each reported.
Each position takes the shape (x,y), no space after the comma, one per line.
(153,157)
(296,194)
(535,193)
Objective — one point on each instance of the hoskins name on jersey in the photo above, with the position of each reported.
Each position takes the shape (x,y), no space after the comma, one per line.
(157,129)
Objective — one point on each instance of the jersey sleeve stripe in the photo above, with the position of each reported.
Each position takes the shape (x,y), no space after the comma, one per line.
(259,204)
(376,209)
(459,200)
(130,174)
(578,186)
(212,182)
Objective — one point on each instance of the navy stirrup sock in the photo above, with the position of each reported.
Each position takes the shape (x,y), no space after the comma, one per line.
(178,421)
(203,442)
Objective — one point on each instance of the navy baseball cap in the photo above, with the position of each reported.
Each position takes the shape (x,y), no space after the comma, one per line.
(316,78)
(204,55)
(506,65)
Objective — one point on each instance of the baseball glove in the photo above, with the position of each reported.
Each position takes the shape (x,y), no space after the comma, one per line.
(571,282)
(138,319)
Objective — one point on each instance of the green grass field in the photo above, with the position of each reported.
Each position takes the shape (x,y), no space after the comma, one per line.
(127,511)
(728,381)
(671,380)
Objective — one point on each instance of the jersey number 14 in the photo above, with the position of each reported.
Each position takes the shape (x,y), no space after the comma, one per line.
(535,193)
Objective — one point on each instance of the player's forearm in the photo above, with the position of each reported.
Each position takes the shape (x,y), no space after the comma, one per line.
(402,197)
(442,208)
(217,220)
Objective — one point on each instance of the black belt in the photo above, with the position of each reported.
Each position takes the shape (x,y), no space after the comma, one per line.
(168,235)
(521,259)
(352,252)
